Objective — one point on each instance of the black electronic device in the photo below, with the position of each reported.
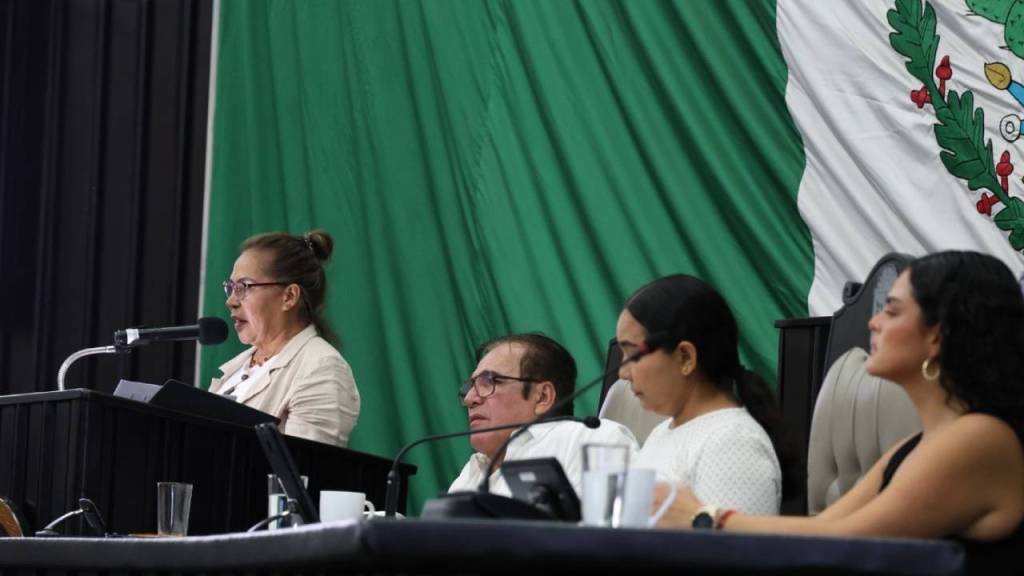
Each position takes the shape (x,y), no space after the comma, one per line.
(481,505)
(283,465)
(542,482)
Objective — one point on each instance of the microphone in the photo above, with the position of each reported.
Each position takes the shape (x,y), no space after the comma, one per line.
(207,331)
(85,508)
(654,342)
(210,330)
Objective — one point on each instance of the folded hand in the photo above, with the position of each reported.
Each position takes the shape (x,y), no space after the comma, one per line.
(680,513)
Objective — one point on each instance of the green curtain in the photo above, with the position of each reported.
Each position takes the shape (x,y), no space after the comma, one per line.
(489,167)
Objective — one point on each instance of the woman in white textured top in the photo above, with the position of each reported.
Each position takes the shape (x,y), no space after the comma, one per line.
(721,435)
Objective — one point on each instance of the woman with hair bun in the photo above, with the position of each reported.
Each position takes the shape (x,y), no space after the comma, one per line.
(951,335)
(276,296)
(724,426)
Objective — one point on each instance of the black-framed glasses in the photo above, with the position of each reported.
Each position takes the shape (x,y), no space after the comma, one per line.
(485,381)
(241,288)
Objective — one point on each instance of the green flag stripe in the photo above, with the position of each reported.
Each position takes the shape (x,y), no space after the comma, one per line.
(489,167)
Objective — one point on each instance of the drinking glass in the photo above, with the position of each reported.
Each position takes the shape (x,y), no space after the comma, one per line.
(604,483)
(174,500)
(277,502)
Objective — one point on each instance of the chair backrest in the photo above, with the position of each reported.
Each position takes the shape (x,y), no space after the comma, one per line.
(612,359)
(618,402)
(857,418)
(622,406)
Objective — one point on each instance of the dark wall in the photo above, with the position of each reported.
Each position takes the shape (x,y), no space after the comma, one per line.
(103,109)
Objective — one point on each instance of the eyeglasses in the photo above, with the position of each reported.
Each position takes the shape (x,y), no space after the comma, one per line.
(485,382)
(241,288)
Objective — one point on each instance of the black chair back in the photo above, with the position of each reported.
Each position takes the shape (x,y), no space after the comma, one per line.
(611,359)
(860,303)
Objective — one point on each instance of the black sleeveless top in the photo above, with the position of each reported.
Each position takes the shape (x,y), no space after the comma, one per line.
(982,557)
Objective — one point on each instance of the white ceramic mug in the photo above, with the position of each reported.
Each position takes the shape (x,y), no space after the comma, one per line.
(339,505)
(636,508)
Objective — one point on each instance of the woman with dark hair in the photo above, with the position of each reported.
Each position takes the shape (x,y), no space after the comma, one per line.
(724,426)
(952,335)
(276,297)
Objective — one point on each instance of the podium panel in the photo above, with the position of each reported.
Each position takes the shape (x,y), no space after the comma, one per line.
(57,447)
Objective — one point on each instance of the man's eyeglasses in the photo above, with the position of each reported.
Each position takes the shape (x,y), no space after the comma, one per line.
(485,382)
(241,288)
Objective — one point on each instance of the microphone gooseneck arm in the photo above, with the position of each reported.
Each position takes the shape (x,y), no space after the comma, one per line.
(485,484)
(66,365)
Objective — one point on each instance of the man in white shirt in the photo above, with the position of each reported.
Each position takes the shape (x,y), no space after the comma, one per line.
(519,378)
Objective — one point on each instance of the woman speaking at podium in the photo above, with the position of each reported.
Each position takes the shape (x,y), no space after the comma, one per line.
(276,298)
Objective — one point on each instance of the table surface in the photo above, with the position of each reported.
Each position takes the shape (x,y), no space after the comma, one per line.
(384,545)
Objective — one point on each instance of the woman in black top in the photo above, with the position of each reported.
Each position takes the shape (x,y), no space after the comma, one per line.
(952,335)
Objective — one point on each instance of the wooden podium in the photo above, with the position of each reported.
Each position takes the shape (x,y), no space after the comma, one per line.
(57,447)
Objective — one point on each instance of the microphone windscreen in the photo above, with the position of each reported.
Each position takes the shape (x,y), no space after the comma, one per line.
(212,330)
(591,421)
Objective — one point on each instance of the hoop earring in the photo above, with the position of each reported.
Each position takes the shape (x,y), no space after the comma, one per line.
(930,376)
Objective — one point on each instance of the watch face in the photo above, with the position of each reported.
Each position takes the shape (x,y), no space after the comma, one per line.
(703,521)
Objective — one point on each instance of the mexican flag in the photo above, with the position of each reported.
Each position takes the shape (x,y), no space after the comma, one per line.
(910,121)
(488,167)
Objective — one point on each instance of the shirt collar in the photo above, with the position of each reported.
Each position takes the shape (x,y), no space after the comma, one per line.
(282,358)
(534,432)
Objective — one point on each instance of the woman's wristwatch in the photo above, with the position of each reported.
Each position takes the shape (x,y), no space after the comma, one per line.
(710,518)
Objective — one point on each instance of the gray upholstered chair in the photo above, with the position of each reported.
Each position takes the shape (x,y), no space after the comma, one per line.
(622,406)
(618,402)
(857,418)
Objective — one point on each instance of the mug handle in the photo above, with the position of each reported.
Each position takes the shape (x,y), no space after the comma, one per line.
(664,505)
(368,507)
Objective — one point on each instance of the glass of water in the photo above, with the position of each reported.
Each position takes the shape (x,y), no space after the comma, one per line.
(277,502)
(604,483)
(174,501)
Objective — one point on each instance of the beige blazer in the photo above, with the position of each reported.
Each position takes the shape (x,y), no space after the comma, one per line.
(310,388)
